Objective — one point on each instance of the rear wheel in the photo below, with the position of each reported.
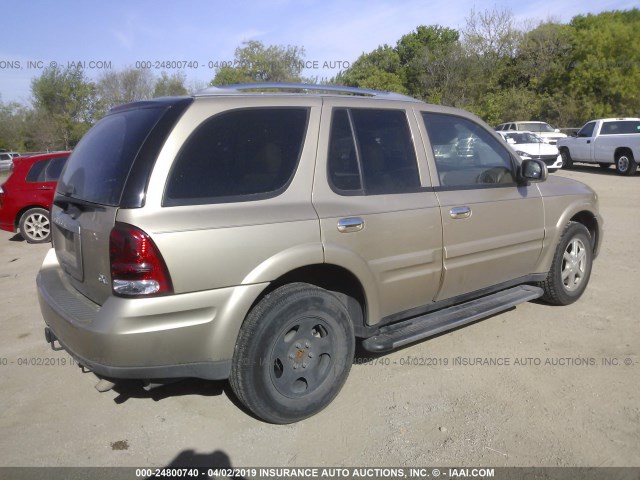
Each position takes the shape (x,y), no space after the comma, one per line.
(566,159)
(293,354)
(571,266)
(625,163)
(35,226)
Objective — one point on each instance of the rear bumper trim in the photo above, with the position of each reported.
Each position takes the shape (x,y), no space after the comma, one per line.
(218,370)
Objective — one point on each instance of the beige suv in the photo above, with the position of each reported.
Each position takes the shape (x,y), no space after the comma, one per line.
(255,235)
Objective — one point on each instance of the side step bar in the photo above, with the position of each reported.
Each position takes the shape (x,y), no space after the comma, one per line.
(402,333)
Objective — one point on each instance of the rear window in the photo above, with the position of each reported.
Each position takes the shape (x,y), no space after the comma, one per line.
(621,126)
(99,165)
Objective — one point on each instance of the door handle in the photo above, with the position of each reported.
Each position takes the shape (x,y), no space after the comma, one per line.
(351,224)
(588,141)
(460,212)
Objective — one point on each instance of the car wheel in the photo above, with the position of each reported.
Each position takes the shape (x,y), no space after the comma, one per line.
(604,166)
(293,353)
(625,164)
(566,159)
(35,226)
(571,266)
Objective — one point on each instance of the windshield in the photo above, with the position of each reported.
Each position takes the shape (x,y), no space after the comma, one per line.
(98,167)
(524,137)
(536,127)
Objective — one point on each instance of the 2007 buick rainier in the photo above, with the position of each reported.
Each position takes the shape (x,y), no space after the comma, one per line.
(256,232)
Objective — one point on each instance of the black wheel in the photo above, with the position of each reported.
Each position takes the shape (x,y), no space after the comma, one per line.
(604,166)
(625,164)
(571,266)
(293,354)
(566,159)
(35,226)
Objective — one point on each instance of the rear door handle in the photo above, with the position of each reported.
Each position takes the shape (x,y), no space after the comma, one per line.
(351,224)
(460,212)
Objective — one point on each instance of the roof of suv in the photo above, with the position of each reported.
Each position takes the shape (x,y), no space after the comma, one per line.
(298,89)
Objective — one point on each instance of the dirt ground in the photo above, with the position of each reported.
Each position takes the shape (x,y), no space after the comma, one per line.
(563,390)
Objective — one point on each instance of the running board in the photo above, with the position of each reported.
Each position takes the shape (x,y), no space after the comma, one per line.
(402,333)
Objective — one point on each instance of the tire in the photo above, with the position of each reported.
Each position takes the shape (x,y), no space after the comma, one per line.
(35,225)
(625,164)
(604,166)
(571,266)
(293,353)
(566,159)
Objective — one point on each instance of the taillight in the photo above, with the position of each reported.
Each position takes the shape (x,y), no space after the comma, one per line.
(137,268)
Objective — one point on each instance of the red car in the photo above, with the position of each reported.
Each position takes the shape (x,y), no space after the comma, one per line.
(26,196)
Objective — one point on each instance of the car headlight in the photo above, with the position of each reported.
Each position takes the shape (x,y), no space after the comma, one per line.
(523,154)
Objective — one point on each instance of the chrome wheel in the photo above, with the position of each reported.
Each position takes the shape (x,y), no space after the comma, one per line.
(574,264)
(35,226)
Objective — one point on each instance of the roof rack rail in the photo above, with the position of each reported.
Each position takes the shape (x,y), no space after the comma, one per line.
(305,87)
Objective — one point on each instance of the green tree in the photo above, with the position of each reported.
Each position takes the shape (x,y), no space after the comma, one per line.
(69,99)
(253,62)
(605,66)
(378,70)
(170,85)
(129,85)
(429,57)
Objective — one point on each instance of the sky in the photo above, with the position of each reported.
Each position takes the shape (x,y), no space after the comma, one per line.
(143,33)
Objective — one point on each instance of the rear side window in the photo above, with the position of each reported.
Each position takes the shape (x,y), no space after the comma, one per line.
(46,170)
(371,152)
(240,155)
(99,165)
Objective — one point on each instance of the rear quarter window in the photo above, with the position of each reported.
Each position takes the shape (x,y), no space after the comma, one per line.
(239,155)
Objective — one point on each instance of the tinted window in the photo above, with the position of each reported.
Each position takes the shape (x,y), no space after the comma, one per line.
(623,126)
(36,172)
(98,167)
(374,145)
(54,168)
(239,155)
(344,168)
(587,130)
(465,153)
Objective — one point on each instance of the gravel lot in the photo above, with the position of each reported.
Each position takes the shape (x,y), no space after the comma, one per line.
(567,392)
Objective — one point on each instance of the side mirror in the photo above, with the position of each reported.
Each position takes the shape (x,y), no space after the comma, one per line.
(557,130)
(532,170)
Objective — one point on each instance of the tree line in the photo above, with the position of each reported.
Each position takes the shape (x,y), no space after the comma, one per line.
(565,74)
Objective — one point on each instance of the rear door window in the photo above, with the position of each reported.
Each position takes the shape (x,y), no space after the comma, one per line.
(371,152)
(238,156)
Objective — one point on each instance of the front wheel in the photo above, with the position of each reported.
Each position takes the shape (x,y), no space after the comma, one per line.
(293,353)
(567,162)
(35,226)
(571,266)
(625,164)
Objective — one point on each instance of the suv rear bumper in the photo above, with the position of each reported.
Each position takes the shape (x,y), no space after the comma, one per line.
(187,335)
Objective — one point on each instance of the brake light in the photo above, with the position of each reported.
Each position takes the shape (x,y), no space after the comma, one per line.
(137,267)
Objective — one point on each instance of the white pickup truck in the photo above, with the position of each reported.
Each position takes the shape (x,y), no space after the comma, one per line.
(606,141)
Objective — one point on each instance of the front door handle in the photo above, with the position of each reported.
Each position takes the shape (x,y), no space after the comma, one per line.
(351,224)
(460,212)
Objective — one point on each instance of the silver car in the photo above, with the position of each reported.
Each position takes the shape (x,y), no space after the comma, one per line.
(254,233)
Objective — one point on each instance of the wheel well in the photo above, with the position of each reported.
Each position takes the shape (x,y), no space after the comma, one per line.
(333,278)
(621,150)
(589,221)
